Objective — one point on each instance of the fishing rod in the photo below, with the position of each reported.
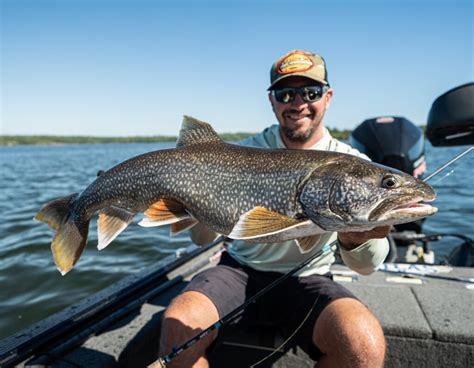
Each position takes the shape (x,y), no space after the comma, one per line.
(466,280)
(450,162)
(163,361)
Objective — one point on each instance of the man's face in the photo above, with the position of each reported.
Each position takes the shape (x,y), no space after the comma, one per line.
(300,121)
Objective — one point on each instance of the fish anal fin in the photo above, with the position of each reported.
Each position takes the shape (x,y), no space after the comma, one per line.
(183,225)
(260,222)
(112,221)
(307,243)
(164,212)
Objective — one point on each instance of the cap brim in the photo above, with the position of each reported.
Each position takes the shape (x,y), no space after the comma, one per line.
(296,75)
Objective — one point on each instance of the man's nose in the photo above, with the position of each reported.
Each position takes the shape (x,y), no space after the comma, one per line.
(298,102)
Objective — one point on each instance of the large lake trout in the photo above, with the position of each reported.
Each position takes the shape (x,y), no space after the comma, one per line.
(241,192)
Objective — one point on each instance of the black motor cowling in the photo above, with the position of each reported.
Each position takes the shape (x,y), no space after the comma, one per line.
(392,141)
(451,117)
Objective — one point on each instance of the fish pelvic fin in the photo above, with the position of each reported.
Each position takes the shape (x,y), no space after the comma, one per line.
(260,222)
(71,235)
(164,212)
(194,131)
(112,221)
(183,225)
(307,243)
(53,213)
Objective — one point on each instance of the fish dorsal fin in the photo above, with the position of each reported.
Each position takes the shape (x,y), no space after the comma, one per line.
(164,212)
(260,222)
(307,243)
(112,221)
(183,225)
(194,131)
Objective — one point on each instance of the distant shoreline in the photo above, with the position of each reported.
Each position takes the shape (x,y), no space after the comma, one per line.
(13,140)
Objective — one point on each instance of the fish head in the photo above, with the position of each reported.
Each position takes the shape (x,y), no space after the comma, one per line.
(352,194)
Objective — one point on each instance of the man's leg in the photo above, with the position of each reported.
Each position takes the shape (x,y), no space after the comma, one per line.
(349,335)
(187,315)
(209,296)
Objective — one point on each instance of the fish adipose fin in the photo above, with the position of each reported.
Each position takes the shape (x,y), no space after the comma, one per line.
(183,225)
(112,221)
(307,243)
(194,131)
(164,212)
(260,222)
(71,235)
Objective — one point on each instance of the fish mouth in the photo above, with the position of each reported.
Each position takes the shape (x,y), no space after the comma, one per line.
(411,209)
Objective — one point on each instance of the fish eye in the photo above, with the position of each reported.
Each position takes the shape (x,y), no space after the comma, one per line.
(389,181)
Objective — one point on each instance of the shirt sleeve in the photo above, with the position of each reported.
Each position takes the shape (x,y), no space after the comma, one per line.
(366,257)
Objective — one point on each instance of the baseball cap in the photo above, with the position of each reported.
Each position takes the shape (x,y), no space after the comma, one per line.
(299,63)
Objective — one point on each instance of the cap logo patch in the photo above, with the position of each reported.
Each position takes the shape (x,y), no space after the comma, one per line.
(295,62)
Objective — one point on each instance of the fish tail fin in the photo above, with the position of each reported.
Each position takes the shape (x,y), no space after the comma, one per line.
(71,235)
(68,244)
(55,212)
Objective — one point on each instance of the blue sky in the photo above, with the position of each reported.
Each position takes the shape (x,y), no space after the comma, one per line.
(116,67)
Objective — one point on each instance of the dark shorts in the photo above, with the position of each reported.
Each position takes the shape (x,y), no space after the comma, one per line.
(230,284)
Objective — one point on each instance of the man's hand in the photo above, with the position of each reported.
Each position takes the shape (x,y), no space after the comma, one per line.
(352,240)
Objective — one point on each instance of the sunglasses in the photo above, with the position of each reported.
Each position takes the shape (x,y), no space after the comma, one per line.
(308,93)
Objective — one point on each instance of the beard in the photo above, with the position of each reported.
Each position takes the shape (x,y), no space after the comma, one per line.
(295,136)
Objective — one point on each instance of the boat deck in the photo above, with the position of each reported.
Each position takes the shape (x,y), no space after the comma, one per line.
(427,324)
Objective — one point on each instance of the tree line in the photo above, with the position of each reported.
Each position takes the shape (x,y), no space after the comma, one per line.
(53,139)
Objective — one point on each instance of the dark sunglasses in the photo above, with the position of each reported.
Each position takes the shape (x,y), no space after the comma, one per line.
(308,93)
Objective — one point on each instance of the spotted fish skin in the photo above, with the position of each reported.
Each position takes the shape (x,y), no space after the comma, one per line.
(245,193)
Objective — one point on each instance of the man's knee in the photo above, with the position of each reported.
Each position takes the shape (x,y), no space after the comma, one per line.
(349,333)
(192,308)
(187,315)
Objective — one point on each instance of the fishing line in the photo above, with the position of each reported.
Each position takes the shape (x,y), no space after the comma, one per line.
(163,361)
(442,178)
(289,337)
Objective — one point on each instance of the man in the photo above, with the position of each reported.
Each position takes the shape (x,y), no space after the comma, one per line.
(340,330)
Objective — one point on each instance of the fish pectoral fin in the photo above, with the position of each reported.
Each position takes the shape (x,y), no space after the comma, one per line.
(164,212)
(183,225)
(260,222)
(112,221)
(307,243)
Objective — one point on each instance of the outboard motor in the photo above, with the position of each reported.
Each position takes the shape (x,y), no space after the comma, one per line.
(451,123)
(451,117)
(392,141)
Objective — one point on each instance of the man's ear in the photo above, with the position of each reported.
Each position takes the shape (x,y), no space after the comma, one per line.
(328,97)
(272,101)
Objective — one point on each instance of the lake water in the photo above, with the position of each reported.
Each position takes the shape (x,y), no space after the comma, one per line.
(30,176)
